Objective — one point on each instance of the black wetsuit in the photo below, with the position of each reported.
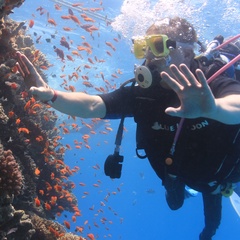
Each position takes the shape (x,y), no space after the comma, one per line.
(206,150)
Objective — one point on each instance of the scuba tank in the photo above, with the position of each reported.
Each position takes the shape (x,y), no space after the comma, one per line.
(220,53)
(206,58)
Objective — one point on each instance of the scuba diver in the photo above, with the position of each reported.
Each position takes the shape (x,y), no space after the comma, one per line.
(188,127)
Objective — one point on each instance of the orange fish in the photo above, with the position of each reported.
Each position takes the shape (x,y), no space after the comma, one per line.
(12,85)
(52,175)
(24,94)
(57,7)
(86,44)
(75,53)
(72,88)
(67,224)
(108,53)
(87,84)
(14,69)
(75,19)
(53,231)
(65,130)
(39,138)
(70,58)
(58,188)
(68,146)
(81,48)
(87,146)
(67,29)
(25,130)
(46,118)
(61,208)
(95,9)
(91,236)
(88,19)
(66,17)
(18,121)
(52,22)
(77,4)
(93,28)
(87,66)
(74,218)
(111,46)
(31,23)
(79,229)
(43,67)
(53,200)
(41,192)
(37,171)
(90,60)
(37,202)
(11,114)
(48,206)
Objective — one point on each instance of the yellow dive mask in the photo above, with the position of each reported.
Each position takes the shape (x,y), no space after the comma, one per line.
(158,44)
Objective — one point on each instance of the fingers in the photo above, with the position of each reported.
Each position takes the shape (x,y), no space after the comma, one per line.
(192,80)
(34,90)
(201,78)
(183,77)
(20,70)
(171,82)
(37,93)
(174,112)
(22,67)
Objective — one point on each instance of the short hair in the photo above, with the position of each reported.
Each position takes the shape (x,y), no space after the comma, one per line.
(178,29)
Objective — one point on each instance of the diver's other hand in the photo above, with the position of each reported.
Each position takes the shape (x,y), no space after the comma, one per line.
(42,93)
(194,93)
(29,72)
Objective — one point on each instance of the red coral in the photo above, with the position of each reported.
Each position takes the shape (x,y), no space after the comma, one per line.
(11,179)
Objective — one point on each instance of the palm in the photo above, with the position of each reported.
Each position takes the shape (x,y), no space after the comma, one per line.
(195,95)
(28,71)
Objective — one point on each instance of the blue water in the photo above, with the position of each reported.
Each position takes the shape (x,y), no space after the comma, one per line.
(133,206)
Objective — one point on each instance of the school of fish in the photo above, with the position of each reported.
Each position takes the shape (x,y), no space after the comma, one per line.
(86,66)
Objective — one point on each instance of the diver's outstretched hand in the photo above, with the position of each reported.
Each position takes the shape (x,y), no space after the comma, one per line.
(195,95)
(33,80)
(31,77)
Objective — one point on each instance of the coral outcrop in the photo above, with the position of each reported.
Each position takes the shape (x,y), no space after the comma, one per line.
(11,179)
(7,6)
(34,184)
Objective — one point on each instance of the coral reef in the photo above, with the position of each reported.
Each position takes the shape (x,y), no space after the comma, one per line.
(7,6)
(18,226)
(11,179)
(34,185)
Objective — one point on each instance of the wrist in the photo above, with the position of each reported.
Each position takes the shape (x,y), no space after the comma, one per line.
(53,99)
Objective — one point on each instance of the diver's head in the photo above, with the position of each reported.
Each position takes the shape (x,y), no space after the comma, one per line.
(167,41)
(178,30)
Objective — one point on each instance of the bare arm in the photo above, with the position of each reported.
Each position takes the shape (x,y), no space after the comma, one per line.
(74,103)
(227,110)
